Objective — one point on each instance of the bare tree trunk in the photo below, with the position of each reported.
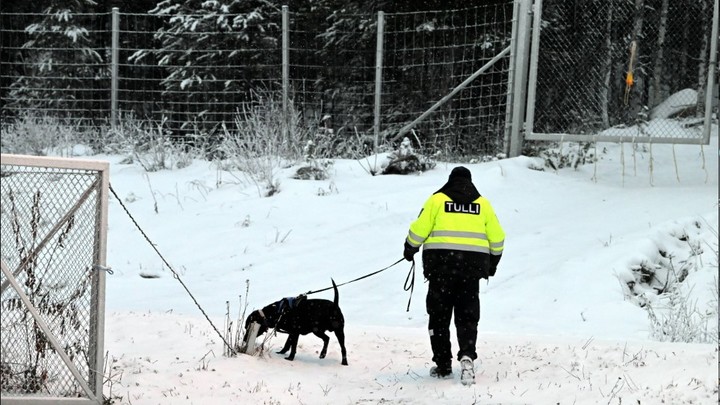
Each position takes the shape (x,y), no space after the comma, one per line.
(604,99)
(680,85)
(703,57)
(655,95)
(635,99)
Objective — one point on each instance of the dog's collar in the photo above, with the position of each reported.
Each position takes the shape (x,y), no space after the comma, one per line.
(289,303)
(262,314)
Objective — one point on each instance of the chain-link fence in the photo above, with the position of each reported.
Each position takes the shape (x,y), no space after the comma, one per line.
(52,297)
(623,70)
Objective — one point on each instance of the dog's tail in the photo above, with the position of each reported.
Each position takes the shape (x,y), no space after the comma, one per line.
(337,296)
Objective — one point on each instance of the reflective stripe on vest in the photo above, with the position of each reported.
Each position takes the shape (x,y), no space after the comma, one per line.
(458,234)
(414,240)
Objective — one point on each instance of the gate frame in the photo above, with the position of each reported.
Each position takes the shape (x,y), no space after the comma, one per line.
(97,307)
(527,126)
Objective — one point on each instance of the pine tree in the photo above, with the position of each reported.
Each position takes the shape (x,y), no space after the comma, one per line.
(62,62)
(215,54)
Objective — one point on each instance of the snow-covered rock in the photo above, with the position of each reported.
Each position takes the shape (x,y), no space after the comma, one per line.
(674,104)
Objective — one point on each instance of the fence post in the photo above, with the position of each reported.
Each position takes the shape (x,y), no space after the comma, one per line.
(710,92)
(522,43)
(115,60)
(378,75)
(532,62)
(285,71)
(510,100)
(97,310)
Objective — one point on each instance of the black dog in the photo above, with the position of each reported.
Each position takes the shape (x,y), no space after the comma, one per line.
(300,316)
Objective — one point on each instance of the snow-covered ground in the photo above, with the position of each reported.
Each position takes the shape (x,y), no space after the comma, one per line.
(557,323)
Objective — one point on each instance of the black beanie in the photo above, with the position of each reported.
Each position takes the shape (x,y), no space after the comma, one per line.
(460,172)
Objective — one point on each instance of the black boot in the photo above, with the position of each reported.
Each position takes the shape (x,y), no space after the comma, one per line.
(441,371)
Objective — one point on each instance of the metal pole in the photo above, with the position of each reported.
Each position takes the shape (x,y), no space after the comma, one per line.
(378,75)
(532,77)
(448,96)
(710,92)
(115,61)
(511,77)
(97,309)
(519,91)
(285,71)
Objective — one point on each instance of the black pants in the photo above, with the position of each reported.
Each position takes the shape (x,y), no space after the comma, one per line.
(447,294)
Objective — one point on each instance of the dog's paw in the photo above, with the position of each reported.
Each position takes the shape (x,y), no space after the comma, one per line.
(290,358)
(283,351)
(344,362)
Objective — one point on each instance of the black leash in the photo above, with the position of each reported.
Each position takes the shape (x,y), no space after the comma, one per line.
(410,278)
(409,281)
(359,278)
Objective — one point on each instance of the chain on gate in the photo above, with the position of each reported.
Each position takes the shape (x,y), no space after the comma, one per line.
(175,274)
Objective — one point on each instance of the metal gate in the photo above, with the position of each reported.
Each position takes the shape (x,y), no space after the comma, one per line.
(622,71)
(54,226)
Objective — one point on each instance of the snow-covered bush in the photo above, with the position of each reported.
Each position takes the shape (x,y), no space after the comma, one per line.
(147,143)
(405,160)
(257,146)
(564,154)
(42,134)
(313,168)
(676,317)
(315,155)
(678,287)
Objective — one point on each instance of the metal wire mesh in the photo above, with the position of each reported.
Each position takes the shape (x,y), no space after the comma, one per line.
(164,77)
(194,78)
(50,244)
(314,83)
(608,68)
(191,89)
(430,53)
(58,67)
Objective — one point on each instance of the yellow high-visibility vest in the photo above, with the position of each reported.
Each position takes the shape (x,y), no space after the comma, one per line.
(443,224)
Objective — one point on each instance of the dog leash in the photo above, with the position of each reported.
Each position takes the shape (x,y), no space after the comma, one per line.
(357,279)
(411,286)
(409,281)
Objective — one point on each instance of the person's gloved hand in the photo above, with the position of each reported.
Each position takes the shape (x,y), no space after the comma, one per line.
(409,252)
(491,263)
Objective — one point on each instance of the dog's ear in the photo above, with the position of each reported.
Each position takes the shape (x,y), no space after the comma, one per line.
(251,318)
(271,315)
